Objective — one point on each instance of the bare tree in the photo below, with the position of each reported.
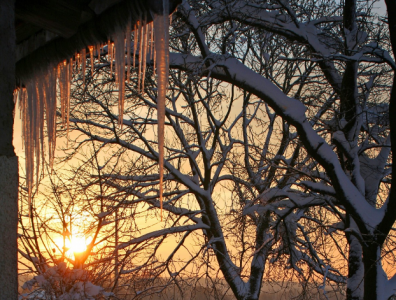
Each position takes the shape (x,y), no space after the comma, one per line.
(346,136)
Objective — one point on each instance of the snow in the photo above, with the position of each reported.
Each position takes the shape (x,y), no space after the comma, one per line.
(63,283)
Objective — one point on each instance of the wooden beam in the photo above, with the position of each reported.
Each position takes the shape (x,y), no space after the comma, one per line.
(99,6)
(59,16)
(8,160)
(25,30)
(92,32)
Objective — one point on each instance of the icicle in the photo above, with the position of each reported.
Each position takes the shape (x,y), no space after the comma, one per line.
(30,135)
(68,82)
(120,71)
(63,78)
(83,62)
(145,46)
(98,52)
(115,59)
(128,47)
(135,42)
(60,82)
(151,41)
(155,61)
(50,110)
(161,26)
(91,57)
(38,103)
(141,28)
(110,55)
(113,49)
(27,142)
(15,94)
(41,95)
(77,62)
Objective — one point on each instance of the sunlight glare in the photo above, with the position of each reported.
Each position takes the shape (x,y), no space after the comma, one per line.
(77,244)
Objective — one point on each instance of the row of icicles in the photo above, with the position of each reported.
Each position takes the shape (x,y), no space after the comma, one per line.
(38,98)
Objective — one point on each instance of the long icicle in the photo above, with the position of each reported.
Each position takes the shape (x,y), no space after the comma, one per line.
(141,29)
(135,41)
(110,56)
(128,47)
(155,60)
(120,71)
(91,57)
(29,136)
(98,52)
(145,46)
(41,92)
(69,73)
(161,25)
(115,45)
(151,41)
(83,62)
(50,111)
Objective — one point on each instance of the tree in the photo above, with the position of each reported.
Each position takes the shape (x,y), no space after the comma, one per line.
(345,44)
(283,103)
(55,259)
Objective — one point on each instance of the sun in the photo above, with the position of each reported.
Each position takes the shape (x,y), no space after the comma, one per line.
(77,244)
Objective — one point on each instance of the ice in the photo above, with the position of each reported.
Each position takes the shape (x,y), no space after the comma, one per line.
(83,62)
(120,71)
(91,57)
(128,48)
(69,79)
(140,29)
(63,85)
(50,111)
(39,96)
(135,42)
(110,55)
(161,27)
(151,41)
(98,52)
(145,46)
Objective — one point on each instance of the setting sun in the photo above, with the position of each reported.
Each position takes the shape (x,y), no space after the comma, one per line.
(77,244)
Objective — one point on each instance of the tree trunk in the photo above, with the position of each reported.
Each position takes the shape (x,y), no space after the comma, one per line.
(8,160)
(371,258)
(355,280)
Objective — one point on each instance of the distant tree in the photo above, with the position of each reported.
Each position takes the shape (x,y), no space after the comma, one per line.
(67,239)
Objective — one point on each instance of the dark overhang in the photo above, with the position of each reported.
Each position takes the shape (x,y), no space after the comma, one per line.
(51,31)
